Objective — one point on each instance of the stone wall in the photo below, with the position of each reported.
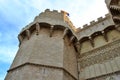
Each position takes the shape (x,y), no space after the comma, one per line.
(70,58)
(98,40)
(46,44)
(51,48)
(35,72)
(94,26)
(101,61)
(39,49)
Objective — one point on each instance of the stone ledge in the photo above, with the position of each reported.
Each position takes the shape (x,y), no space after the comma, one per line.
(99,55)
(101,69)
(54,67)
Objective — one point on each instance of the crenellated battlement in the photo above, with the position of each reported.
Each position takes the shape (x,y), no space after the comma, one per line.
(94,22)
(49,14)
(59,17)
(95,26)
(53,17)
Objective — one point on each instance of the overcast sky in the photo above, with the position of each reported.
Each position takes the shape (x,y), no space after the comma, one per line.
(15,14)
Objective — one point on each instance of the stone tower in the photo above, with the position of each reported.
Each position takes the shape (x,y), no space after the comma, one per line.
(47,50)
(114,9)
(51,48)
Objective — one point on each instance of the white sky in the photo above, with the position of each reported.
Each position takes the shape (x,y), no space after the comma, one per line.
(81,11)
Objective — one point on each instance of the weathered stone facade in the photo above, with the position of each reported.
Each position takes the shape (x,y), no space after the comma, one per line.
(51,48)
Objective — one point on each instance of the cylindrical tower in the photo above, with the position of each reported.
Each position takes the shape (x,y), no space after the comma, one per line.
(47,50)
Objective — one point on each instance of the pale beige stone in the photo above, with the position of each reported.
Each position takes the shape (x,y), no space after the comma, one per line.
(103,69)
(118,62)
(97,69)
(92,71)
(113,35)
(85,47)
(51,48)
(99,41)
(82,74)
(108,67)
(87,73)
(114,65)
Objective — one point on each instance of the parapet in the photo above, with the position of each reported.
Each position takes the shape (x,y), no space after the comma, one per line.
(53,17)
(49,14)
(95,26)
(92,23)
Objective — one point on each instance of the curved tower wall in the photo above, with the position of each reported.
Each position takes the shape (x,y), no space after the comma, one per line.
(51,48)
(46,50)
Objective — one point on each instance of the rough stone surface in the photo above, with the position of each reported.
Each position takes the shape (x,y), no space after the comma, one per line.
(51,48)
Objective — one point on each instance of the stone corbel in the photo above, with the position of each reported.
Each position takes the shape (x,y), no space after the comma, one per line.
(51,30)
(72,38)
(117,27)
(20,38)
(65,32)
(28,34)
(92,42)
(37,28)
(105,36)
(78,46)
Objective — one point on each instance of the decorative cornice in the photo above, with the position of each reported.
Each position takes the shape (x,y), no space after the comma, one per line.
(37,28)
(101,54)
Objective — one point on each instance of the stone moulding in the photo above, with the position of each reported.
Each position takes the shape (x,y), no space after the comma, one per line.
(101,54)
(40,65)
